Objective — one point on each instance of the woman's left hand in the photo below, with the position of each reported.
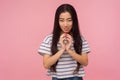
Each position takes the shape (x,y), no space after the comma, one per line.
(69,42)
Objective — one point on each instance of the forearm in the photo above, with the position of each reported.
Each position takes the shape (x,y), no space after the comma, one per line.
(82,59)
(48,62)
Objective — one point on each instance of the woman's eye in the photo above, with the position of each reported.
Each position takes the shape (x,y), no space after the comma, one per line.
(61,20)
(69,20)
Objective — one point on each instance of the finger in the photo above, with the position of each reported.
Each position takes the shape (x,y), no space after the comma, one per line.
(62,36)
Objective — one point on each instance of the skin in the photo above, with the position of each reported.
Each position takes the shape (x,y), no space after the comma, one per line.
(65,22)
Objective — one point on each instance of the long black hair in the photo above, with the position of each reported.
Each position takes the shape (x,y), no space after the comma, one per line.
(74,31)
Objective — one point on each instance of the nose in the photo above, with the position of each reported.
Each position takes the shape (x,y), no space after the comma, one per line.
(65,23)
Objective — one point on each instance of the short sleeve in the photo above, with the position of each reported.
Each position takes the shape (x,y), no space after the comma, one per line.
(45,46)
(85,46)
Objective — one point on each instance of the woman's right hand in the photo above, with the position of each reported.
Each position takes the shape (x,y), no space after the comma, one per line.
(61,41)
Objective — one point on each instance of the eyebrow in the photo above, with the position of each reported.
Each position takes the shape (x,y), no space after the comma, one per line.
(63,18)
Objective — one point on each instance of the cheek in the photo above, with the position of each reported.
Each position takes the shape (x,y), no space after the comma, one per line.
(70,25)
(61,25)
(70,28)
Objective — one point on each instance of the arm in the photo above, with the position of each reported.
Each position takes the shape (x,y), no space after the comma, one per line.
(48,60)
(82,59)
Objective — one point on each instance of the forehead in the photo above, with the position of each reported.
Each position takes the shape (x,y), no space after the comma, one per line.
(65,15)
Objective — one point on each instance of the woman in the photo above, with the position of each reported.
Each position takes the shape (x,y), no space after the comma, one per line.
(65,50)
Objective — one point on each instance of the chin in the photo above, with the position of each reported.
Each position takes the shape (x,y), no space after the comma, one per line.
(66,31)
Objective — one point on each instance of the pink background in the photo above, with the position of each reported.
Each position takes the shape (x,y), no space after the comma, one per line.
(24,24)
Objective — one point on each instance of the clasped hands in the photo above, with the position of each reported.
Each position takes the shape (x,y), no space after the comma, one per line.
(65,41)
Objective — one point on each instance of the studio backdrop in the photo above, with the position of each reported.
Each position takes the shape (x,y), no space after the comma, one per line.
(25,23)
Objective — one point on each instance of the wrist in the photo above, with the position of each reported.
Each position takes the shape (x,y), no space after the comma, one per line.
(69,50)
(62,49)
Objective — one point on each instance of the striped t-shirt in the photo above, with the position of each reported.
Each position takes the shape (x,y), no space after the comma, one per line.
(66,64)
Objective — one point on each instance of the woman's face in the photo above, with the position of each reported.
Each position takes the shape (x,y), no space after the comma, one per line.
(65,22)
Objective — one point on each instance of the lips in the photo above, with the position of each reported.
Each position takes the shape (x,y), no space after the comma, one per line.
(66,29)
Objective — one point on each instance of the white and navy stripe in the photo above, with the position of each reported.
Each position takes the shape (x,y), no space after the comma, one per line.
(66,64)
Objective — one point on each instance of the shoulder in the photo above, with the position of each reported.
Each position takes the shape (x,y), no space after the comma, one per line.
(83,39)
(48,38)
